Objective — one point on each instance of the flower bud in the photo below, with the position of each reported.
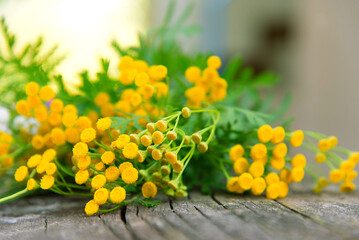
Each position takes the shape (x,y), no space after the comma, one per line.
(186,112)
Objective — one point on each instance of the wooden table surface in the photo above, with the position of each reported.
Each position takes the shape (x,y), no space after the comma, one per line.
(302,215)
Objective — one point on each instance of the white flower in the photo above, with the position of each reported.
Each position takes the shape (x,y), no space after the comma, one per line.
(4,115)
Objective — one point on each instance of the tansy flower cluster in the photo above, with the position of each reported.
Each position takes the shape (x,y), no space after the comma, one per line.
(208,85)
(6,160)
(264,167)
(150,160)
(144,88)
(340,161)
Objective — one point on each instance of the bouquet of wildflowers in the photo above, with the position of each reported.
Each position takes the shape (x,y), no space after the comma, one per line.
(167,123)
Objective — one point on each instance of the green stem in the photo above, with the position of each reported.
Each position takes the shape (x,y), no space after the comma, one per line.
(14,196)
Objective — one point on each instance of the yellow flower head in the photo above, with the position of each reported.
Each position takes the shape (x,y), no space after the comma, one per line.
(354,157)
(46,93)
(273,191)
(265,133)
(112,174)
(240,165)
(177,166)
(101,195)
(233,184)
(146,140)
(258,151)
(129,175)
(283,189)
(126,62)
(297,174)
(245,181)
(350,176)
(193,74)
(140,66)
(98,181)
(259,185)
(124,166)
(102,99)
(142,79)
(21,173)
(34,101)
(82,176)
(214,62)
(70,108)
(100,167)
(171,135)
(297,138)
(41,114)
(121,141)
(56,105)
(84,162)
(280,150)
(157,137)
(32,88)
(117,195)
(320,158)
(278,135)
(347,166)
(272,178)
(108,157)
(149,190)
(256,169)
(49,155)
(324,145)
(83,122)
(55,119)
(47,181)
(335,176)
(91,207)
(347,187)
(51,169)
(31,184)
(58,136)
(72,135)
(277,163)
(88,135)
(34,161)
(37,142)
(103,124)
(41,168)
(333,141)
(171,157)
(130,150)
(236,152)
(299,160)
(23,108)
(286,176)
(323,182)
(80,149)
(151,127)
(157,154)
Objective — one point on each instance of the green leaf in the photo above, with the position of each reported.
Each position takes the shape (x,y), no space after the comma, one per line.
(148,202)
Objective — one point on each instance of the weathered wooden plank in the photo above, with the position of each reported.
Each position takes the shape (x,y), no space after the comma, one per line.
(22,227)
(156,218)
(338,212)
(203,226)
(222,216)
(274,219)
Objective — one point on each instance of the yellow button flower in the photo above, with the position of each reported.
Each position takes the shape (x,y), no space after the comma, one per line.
(98,181)
(297,138)
(101,195)
(117,195)
(130,150)
(149,190)
(91,207)
(129,175)
(265,133)
(47,182)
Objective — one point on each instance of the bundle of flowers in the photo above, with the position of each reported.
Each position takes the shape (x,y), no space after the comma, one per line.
(169,122)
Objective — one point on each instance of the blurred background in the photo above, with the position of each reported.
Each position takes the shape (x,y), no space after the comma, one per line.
(311,45)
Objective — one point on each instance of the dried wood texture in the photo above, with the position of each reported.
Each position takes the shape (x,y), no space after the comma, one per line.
(220,216)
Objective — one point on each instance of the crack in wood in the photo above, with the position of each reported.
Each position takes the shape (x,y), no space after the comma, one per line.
(294,210)
(171,205)
(45,221)
(218,202)
(123,214)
